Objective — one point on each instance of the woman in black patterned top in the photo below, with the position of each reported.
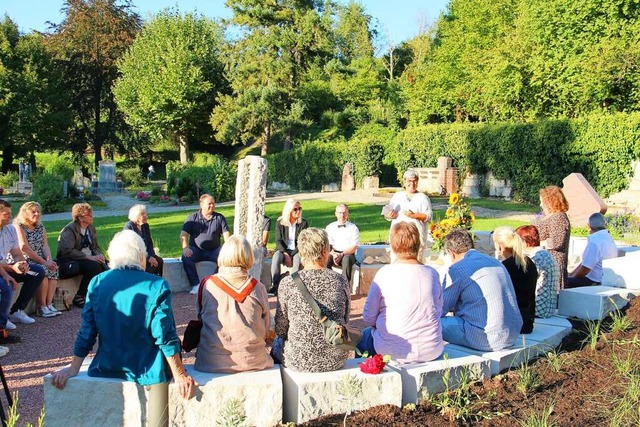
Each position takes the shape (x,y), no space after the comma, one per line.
(300,343)
(555,227)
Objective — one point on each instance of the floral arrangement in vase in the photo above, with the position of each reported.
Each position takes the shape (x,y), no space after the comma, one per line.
(458,215)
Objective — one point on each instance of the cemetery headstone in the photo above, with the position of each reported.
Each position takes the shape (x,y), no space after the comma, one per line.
(348,180)
(583,199)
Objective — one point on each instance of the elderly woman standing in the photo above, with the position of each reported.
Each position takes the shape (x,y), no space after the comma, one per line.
(404,304)
(300,342)
(79,251)
(547,287)
(138,218)
(32,238)
(555,228)
(288,228)
(130,311)
(410,206)
(235,315)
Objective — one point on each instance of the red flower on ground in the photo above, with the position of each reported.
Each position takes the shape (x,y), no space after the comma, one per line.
(373,365)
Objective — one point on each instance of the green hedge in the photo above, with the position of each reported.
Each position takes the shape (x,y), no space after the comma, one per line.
(207,173)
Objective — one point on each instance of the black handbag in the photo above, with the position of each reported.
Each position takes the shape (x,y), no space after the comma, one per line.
(191,337)
(335,333)
(68,269)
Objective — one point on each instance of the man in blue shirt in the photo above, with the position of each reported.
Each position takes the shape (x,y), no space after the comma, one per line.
(478,289)
(200,238)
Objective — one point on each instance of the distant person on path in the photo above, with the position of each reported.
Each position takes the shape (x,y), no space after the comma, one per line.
(600,246)
(14,269)
(410,206)
(522,270)
(404,305)
(547,286)
(555,228)
(288,228)
(138,222)
(128,311)
(478,290)
(79,251)
(32,238)
(344,239)
(200,238)
(151,173)
(235,315)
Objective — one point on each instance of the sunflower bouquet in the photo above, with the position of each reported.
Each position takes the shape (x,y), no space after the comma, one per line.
(458,215)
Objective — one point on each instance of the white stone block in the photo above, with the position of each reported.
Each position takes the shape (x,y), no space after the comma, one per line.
(311,395)
(422,379)
(622,272)
(90,401)
(577,246)
(364,251)
(355,277)
(512,357)
(483,242)
(553,321)
(205,268)
(259,392)
(173,272)
(546,337)
(367,273)
(593,302)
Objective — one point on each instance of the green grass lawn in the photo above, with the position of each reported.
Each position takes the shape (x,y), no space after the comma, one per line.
(165,228)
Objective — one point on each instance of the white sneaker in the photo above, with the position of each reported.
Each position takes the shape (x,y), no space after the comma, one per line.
(45,312)
(54,310)
(194,290)
(10,326)
(21,317)
(3,350)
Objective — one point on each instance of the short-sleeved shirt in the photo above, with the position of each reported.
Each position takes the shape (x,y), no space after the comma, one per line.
(343,236)
(417,203)
(600,245)
(205,234)
(8,242)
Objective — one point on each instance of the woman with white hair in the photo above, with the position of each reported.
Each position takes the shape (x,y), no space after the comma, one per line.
(288,228)
(138,218)
(300,343)
(130,311)
(410,206)
(235,314)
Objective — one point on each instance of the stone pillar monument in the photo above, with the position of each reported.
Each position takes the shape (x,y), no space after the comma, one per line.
(251,188)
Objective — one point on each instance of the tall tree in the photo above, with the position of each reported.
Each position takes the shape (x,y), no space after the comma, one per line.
(281,41)
(171,77)
(92,37)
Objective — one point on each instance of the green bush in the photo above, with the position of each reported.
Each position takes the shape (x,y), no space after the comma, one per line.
(206,174)
(8,179)
(131,176)
(48,190)
(60,166)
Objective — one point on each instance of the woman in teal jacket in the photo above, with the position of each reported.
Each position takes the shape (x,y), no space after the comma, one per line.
(130,310)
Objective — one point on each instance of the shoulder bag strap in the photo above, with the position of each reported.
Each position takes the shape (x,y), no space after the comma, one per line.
(200,288)
(307,296)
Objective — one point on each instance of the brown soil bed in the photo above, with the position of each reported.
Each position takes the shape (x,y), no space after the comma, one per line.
(590,387)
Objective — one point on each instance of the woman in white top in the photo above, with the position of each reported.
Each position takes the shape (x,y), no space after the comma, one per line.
(288,228)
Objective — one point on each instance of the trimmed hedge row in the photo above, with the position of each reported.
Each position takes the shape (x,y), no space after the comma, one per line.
(530,155)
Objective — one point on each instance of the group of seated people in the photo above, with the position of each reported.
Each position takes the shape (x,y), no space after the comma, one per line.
(482,302)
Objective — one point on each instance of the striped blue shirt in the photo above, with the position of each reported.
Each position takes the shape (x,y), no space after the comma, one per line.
(479,291)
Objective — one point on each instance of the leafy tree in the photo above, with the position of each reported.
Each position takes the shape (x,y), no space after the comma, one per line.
(171,77)
(90,40)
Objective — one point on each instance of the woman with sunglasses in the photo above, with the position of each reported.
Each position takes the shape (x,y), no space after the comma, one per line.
(288,228)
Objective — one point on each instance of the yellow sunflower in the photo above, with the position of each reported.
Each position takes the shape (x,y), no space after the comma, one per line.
(449,212)
(454,198)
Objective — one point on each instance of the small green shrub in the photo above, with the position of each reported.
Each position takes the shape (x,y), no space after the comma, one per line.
(131,176)
(206,174)
(48,190)
(8,179)
(61,166)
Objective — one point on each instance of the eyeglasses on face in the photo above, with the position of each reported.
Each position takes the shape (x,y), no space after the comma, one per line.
(297,209)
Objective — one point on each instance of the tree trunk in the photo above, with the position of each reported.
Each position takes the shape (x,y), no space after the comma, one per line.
(7,158)
(97,126)
(266,136)
(184,149)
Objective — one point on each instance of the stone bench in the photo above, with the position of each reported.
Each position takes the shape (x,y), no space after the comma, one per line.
(311,395)
(72,285)
(89,401)
(622,272)
(593,302)
(174,273)
(260,395)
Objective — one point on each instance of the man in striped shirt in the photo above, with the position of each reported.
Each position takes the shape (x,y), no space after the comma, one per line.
(479,292)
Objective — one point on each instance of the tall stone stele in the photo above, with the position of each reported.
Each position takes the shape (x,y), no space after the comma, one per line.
(251,189)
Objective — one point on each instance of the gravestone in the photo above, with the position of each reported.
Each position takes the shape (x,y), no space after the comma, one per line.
(471,186)
(251,188)
(583,199)
(107,176)
(348,180)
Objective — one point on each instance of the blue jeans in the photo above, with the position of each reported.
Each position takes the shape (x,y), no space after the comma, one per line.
(453,332)
(30,285)
(366,343)
(6,296)
(189,263)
